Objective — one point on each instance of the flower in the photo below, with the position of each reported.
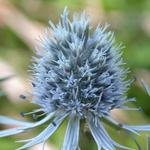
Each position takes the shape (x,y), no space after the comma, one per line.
(79,75)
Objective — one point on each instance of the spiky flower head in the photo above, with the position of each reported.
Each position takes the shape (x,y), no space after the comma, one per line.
(81,75)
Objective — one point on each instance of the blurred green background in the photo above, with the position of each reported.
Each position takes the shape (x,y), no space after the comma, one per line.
(21,21)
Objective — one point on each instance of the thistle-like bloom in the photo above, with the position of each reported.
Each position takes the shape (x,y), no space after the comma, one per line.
(79,75)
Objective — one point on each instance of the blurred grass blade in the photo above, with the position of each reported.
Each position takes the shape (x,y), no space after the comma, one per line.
(136,141)
(148,142)
(146,87)
(6,78)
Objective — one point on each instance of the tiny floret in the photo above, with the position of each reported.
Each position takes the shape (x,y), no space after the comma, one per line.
(79,75)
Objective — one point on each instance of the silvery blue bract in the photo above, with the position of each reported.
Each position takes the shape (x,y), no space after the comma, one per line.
(80,75)
(146,87)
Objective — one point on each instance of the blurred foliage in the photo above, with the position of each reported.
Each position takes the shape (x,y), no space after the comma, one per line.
(129,20)
(127,5)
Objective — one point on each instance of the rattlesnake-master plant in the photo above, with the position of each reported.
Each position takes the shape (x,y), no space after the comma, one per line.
(79,75)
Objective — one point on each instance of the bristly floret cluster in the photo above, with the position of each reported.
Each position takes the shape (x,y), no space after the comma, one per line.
(80,75)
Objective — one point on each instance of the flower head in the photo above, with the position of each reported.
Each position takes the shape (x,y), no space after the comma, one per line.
(80,75)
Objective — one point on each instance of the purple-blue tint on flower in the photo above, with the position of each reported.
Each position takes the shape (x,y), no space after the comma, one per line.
(80,75)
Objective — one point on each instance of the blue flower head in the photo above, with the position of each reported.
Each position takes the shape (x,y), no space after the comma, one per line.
(80,75)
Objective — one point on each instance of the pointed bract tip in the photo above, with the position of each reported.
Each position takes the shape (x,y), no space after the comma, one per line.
(134,78)
(53,123)
(22,114)
(22,96)
(35,116)
(140,109)
(120,125)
